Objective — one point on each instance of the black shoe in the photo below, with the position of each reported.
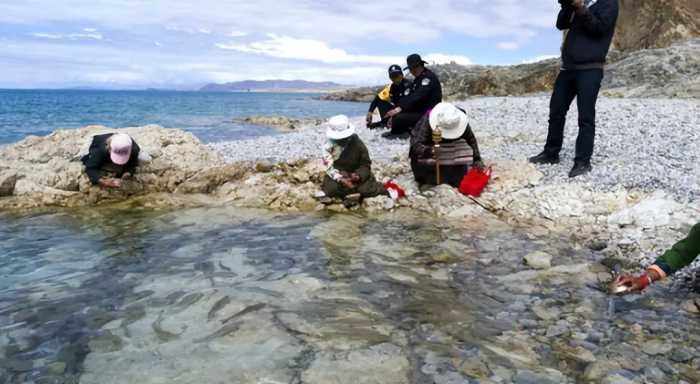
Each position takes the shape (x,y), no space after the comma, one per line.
(378,124)
(352,200)
(393,136)
(544,158)
(580,169)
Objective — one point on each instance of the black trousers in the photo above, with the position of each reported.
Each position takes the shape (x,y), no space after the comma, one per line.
(583,85)
(384,107)
(424,174)
(404,122)
(370,188)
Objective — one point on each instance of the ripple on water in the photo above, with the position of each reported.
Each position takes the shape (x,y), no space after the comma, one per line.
(208,295)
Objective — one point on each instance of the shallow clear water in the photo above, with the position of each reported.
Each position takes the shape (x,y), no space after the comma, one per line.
(208,115)
(241,296)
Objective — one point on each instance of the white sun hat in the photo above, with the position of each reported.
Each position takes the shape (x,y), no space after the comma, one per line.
(339,127)
(449,119)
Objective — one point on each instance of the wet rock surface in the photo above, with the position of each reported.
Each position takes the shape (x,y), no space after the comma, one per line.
(246,296)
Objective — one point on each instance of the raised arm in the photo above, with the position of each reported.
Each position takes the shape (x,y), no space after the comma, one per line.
(565,17)
(601,21)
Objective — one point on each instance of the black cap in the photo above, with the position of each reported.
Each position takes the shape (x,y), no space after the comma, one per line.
(414,60)
(395,70)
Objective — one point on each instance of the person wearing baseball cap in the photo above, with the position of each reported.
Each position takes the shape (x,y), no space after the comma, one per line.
(425,93)
(348,166)
(458,146)
(389,96)
(112,157)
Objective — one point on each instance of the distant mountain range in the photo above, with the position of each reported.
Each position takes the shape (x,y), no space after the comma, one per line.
(272,85)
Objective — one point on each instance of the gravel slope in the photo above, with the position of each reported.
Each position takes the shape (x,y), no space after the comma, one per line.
(641,144)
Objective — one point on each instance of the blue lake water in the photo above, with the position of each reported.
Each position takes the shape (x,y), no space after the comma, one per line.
(210,116)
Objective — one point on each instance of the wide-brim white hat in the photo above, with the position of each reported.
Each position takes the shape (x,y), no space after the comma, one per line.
(449,119)
(339,127)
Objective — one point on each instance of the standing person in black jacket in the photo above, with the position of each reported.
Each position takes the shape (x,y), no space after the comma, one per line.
(589,27)
(426,92)
(112,157)
(389,97)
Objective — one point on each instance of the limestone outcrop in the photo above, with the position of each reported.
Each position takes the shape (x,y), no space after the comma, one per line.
(281,123)
(47,171)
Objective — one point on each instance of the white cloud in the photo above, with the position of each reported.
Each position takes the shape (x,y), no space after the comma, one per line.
(315,39)
(439,58)
(71,36)
(333,21)
(539,58)
(508,45)
(47,36)
(285,47)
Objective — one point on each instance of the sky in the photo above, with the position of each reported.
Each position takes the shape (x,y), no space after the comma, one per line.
(130,44)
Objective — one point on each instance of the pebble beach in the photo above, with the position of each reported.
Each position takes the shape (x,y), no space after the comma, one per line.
(641,144)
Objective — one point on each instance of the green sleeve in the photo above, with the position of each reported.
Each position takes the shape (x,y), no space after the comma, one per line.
(682,254)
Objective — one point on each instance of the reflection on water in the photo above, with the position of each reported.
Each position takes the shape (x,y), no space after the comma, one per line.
(228,295)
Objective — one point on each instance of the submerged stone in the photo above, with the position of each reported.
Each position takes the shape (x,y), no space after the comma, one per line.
(539,260)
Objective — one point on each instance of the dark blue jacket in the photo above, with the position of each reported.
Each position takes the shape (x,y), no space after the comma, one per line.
(426,92)
(590,33)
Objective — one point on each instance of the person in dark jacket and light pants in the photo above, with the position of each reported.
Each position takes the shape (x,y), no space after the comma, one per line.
(112,157)
(589,27)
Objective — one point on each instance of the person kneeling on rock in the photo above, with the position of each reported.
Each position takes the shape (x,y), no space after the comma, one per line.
(348,166)
(682,254)
(443,135)
(112,157)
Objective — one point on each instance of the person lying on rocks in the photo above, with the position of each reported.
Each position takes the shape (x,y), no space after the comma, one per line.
(112,158)
(682,254)
(458,148)
(348,166)
(389,97)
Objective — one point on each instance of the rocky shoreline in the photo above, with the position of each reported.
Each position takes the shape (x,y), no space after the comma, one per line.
(670,71)
(281,123)
(640,199)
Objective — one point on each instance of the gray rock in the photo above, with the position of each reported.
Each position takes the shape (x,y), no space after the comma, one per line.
(381,364)
(654,374)
(681,355)
(557,330)
(656,347)
(7,183)
(617,379)
(539,260)
(524,376)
